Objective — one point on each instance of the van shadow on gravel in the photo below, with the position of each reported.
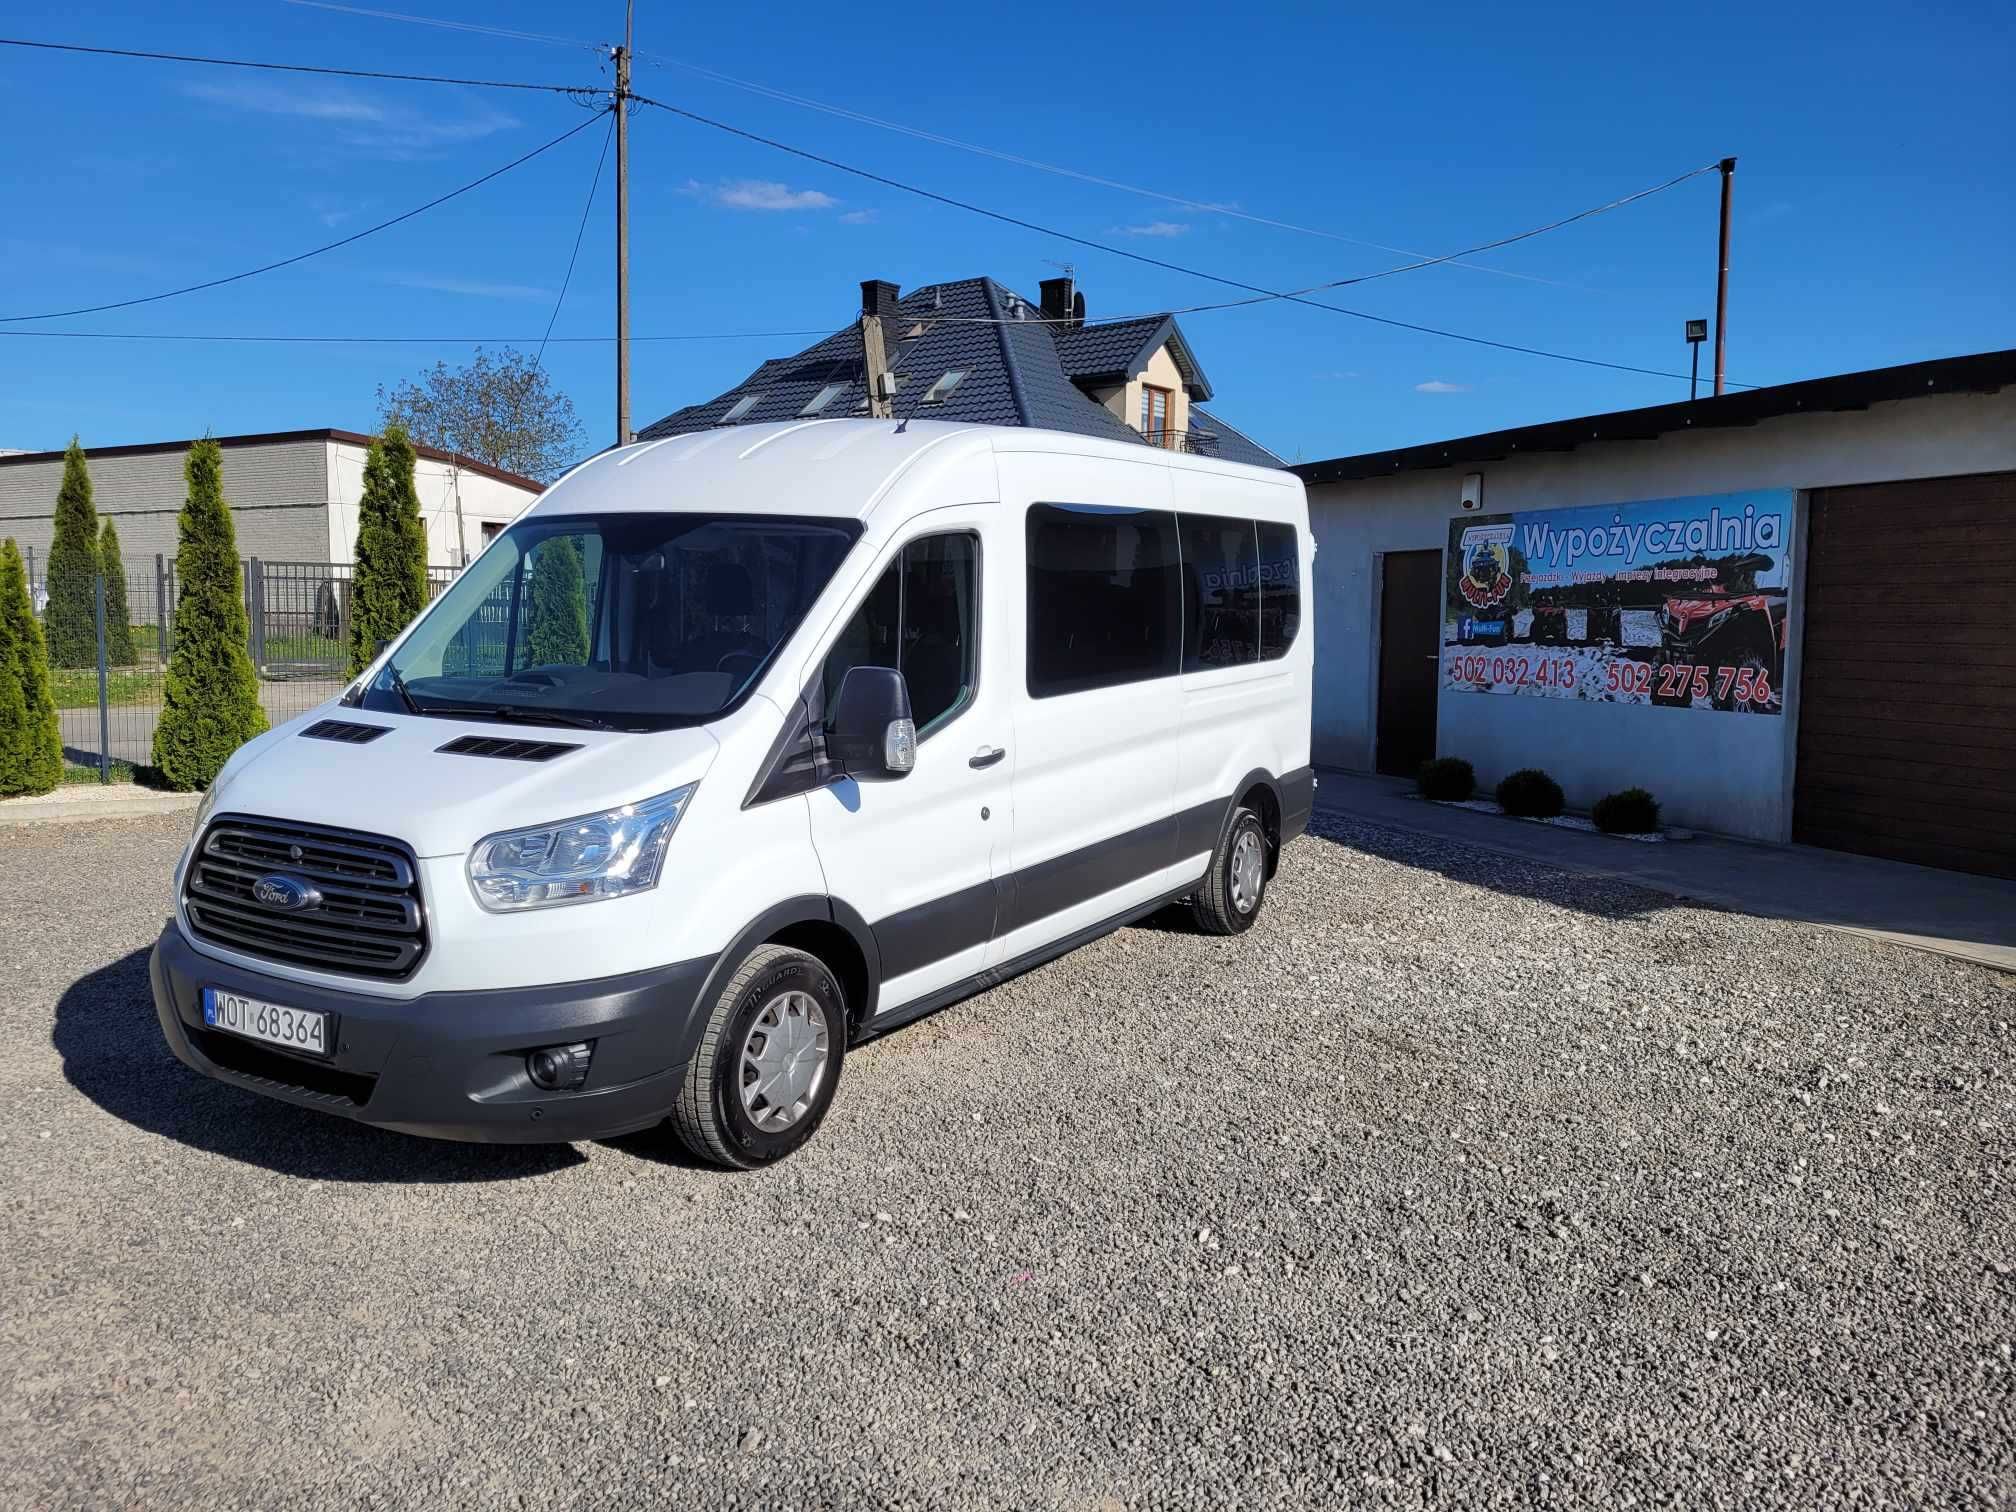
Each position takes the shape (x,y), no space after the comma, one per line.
(114,1054)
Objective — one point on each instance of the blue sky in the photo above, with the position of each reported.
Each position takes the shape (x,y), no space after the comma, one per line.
(1874,209)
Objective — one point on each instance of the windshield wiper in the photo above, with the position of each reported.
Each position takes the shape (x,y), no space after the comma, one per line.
(399,687)
(518,714)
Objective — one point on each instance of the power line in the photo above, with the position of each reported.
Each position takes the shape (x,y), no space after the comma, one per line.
(1158,262)
(305,68)
(501,341)
(460,26)
(579,232)
(1202,207)
(1358,278)
(212,283)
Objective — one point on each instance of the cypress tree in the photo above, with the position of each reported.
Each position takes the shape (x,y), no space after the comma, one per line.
(210,705)
(556,607)
(72,627)
(31,746)
(118,623)
(390,583)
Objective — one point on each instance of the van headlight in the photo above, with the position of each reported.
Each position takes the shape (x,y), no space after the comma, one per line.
(584,860)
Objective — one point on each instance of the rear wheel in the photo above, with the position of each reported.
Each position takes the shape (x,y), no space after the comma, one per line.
(1229,899)
(768,1064)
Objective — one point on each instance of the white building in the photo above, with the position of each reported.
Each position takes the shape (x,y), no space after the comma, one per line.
(293,497)
(1783,611)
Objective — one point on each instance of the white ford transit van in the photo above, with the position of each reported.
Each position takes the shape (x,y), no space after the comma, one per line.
(735,749)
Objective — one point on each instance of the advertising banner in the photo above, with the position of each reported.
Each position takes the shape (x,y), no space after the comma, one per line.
(1676,602)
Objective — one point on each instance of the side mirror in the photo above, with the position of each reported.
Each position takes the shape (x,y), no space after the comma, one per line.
(870,734)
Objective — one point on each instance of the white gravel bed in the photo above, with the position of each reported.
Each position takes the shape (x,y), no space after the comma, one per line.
(1459,1181)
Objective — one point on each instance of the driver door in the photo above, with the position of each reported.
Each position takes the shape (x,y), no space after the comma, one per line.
(917,856)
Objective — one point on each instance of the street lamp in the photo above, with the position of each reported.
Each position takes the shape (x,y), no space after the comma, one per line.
(1697,332)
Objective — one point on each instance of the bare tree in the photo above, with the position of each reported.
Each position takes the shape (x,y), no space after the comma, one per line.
(499,409)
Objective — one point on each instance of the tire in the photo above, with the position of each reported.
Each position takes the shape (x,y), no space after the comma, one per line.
(713,1118)
(1229,900)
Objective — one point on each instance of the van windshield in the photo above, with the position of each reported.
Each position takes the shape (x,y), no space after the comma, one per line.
(616,621)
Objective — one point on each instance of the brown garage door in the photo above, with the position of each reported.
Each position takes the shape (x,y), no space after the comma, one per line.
(1907,698)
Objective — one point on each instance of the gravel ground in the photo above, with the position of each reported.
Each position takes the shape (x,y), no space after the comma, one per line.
(1459,1181)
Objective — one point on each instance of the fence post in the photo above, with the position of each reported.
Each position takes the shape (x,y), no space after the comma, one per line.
(255,583)
(161,643)
(104,710)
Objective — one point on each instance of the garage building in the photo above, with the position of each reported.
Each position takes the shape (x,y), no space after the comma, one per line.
(1784,611)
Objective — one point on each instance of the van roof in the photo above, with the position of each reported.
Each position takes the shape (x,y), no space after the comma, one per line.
(839,467)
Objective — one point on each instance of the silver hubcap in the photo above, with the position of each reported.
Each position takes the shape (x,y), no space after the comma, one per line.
(784,1060)
(1249,867)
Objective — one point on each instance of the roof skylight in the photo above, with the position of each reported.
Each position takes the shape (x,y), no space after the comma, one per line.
(940,391)
(741,407)
(824,397)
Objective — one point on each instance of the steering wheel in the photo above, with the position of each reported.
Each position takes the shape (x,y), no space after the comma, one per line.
(751,658)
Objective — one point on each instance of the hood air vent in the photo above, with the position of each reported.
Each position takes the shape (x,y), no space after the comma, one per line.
(505,750)
(344,732)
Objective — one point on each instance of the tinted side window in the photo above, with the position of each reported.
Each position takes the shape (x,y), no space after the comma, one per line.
(1221,592)
(1105,604)
(1280,589)
(921,617)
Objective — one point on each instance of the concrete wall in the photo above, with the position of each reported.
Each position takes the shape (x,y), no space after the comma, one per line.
(484,499)
(277,494)
(1725,772)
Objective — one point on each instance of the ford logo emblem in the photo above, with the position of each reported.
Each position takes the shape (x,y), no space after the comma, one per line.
(289,894)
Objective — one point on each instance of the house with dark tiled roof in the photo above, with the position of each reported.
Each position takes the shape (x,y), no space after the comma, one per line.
(977,352)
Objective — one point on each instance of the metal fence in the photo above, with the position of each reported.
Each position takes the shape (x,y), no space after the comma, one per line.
(297,632)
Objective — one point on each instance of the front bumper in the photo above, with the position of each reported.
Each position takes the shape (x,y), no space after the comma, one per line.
(451,1065)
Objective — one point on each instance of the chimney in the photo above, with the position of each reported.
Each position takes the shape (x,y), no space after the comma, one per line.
(1062,303)
(878,297)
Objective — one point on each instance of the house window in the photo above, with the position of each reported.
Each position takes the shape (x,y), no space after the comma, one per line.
(1157,411)
(740,408)
(940,391)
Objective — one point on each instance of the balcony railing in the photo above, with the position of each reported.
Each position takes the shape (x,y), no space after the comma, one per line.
(1201,443)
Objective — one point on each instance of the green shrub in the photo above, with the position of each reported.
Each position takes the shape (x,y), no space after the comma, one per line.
(556,606)
(1447,779)
(1530,793)
(390,585)
(71,619)
(31,746)
(210,702)
(118,623)
(1631,812)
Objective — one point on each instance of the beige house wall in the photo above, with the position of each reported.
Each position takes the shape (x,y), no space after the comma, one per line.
(1161,372)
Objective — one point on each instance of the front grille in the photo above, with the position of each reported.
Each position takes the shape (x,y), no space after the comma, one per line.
(369,920)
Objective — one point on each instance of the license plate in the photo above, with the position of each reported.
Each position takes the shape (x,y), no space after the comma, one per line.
(300,1029)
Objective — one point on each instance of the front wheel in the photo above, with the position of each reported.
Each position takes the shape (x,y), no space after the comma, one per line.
(768,1064)
(1229,899)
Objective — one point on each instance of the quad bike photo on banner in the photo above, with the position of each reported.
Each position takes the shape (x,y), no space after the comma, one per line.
(1677,603)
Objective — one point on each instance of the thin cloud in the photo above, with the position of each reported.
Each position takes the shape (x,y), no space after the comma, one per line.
(1154,228)
(1437,386)
(472,288)
(759,194)
(361,122)
(859,218)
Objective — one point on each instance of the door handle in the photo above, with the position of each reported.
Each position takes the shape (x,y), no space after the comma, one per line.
(986,756)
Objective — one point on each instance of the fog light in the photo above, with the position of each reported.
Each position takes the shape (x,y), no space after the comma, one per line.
(559,1068)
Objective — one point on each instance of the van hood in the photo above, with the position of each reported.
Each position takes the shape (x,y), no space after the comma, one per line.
(401,784)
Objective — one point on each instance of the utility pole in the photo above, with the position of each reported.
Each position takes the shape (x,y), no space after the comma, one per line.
(875,368)
(623,225)
(1728,167)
